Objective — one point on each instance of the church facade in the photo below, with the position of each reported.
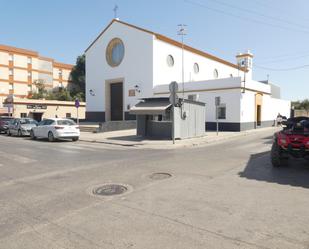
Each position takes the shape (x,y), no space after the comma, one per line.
(126,63)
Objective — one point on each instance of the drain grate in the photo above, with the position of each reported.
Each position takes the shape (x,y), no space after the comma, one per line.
(160,176)
(110,189)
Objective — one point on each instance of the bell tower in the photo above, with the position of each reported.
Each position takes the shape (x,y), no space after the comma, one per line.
(245,61)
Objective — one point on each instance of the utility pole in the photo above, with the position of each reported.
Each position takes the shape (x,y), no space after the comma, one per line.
(182,33)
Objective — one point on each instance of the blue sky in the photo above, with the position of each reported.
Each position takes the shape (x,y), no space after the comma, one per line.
(276,31)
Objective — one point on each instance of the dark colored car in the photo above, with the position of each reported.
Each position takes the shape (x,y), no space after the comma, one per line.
(292,141)
(4,122)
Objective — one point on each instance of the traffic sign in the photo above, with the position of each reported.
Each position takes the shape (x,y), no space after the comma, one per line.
(77,104)
(173,87)
(174,99)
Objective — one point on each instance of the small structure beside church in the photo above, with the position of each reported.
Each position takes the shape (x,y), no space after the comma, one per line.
(155,118)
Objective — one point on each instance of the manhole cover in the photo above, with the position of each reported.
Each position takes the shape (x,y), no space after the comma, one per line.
(160,176)
(110,189)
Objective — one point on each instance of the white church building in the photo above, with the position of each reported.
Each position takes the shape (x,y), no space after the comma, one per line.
(126,63)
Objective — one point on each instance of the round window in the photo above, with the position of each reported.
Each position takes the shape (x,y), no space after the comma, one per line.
(216,74)
(170,60)
(196,68)
(115,52)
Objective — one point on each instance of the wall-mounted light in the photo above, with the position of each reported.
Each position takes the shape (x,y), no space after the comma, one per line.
(137,88)
(92,92)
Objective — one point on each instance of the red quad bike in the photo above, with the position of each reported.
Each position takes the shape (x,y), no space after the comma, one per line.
(291,142)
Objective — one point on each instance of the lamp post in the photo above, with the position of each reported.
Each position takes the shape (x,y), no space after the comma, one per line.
(182,33)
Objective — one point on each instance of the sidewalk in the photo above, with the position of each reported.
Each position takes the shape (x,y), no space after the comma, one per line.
(128,138)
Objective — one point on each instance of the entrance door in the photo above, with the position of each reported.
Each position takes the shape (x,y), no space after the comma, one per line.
(116,101)
(258,109)
(37,116)
(258,115)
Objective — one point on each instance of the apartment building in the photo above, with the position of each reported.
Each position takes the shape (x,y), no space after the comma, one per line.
(21,68)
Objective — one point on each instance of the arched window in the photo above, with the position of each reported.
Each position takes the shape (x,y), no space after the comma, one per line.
(216,74)
(196,68)
(170,60)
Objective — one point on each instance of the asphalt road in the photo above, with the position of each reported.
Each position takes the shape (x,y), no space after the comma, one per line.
(224,195)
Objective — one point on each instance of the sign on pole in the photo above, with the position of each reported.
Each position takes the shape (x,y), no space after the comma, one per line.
(173,87)
(217,103)
(77,104)
(174,99)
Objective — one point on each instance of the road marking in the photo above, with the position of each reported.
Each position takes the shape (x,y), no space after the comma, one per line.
(64,151)
(17,158)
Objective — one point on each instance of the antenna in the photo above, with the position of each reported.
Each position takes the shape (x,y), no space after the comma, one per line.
(182,32)
(116,11)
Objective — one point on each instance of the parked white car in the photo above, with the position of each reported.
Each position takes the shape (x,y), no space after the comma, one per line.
(56,128)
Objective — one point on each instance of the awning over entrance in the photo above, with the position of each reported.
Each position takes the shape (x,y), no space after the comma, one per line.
(151,106)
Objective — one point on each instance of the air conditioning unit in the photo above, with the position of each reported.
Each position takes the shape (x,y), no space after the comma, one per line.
(193,97)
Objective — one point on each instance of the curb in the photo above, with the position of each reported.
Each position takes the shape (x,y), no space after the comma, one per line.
(177,145)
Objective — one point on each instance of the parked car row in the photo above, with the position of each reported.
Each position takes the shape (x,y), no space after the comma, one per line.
(52,129)
(4,123)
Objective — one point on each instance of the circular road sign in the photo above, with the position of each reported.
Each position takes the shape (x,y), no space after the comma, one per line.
(77,104)
(173,86)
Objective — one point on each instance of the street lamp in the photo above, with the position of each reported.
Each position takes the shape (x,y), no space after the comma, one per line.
(182,33)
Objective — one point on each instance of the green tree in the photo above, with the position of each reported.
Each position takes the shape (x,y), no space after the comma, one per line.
(77,77)
(61,94)
(301,105)
(41,91)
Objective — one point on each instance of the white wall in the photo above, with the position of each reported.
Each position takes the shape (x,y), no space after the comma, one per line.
(270,107)
(20,61)
(4,58)
(247,107)
(135,69)
(231,98)
(35,63)
(4,73)
(4,89)
(163,74)
(21,89)
(20,75)
(277,106)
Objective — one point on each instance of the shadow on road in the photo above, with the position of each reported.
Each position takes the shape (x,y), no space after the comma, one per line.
(259,168)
